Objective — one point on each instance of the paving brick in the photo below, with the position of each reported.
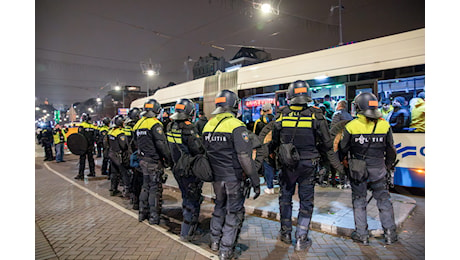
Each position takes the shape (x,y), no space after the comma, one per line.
(79,226)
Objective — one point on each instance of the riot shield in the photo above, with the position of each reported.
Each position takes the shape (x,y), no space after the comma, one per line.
(77,143)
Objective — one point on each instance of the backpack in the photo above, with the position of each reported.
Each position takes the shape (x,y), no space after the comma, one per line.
(287,152)
(182,168)
(201,167)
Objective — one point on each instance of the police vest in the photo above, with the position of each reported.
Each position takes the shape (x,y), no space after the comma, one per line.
(145,138)
(223,145)
(177,131)
(360,130)
(89,131)
(116,139)
(59,136)
(305,135)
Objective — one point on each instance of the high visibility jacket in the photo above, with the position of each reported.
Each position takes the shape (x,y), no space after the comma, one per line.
(89,131)
(103,130)
(118,141)
(418,116)
(229,140)
(183,135)
(386,113)
(59,136)
(381,153)
(261,123)
(311,134)
(151,140)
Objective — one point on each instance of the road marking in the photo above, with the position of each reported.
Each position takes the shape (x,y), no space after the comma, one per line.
(134,215)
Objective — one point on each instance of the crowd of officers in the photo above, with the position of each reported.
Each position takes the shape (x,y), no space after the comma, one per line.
(138,148)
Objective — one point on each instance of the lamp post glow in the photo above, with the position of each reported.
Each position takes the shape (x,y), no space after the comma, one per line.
(266,8)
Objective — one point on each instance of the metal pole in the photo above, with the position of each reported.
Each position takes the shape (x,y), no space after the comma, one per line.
(340,22)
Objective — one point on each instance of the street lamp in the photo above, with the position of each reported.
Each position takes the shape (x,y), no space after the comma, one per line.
(340,7)
(150,70)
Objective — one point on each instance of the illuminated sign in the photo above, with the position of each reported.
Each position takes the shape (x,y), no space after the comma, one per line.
(123,111)
(258,102)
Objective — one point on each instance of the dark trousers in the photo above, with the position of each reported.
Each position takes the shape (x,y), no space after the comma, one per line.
(117,173)
(190,188)
(105,164)
(228,216)
(382,197)
(150,199)
(89,155)
(304,176)
(136,185)
(48,152)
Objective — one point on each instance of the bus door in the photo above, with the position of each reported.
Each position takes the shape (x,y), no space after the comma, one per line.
(357,87)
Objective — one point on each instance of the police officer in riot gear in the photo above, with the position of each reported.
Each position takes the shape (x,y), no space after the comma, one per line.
(306,129)
(103,130)
(183,138)
(154,155)
(119,152)
(88,130)
(229,150)
(373,136)
(46,140)
(136,179)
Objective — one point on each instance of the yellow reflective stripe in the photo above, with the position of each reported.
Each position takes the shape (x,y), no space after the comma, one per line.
(306,124)
(174,140)
(173,134)
(295,118)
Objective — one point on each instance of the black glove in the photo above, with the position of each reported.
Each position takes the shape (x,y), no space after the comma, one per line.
(256,191)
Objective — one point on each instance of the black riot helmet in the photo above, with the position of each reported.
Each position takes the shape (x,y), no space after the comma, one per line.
(226,101)
(85,117)
(134,113)
(133,116)
(297,93)
(152,108)
(367,104)
(117,121)
(106,121)
(184,109)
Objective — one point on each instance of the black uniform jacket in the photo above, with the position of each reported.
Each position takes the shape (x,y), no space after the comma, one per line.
(229,148)
(183,135)
(381,154)
(151,141)
(312,131)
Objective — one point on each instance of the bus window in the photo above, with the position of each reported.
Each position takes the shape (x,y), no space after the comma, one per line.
(402,103)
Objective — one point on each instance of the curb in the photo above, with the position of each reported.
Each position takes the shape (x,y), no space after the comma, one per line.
(314,225)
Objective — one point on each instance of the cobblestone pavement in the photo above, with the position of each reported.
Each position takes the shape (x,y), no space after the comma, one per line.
(83,223)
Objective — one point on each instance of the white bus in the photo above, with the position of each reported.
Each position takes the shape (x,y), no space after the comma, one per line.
(388,66)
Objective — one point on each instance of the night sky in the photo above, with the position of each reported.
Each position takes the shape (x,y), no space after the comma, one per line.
(84,48)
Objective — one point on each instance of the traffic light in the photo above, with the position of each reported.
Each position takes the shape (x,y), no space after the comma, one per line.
(57,116)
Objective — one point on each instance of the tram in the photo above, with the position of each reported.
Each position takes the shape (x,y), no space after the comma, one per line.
(388,67)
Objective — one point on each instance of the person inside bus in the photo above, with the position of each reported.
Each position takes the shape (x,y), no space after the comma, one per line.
(386,109)
(418,113)
(400,118)
(202,120)
(266,116)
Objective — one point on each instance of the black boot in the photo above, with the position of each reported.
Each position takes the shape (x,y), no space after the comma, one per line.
(226,255)
(302,243)
(285,236)
(390,236)
(154,219)
(364,239)
(214,246)
(79,177)
(143,216)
